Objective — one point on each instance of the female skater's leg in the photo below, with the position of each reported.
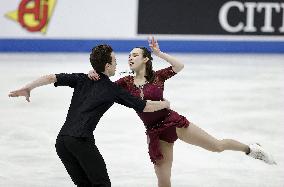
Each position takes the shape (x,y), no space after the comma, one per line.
(163,167)
(196,136)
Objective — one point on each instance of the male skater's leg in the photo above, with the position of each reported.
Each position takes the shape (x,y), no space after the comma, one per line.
(71,164)
(90,159)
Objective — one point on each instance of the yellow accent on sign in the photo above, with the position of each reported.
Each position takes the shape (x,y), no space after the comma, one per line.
(29,18)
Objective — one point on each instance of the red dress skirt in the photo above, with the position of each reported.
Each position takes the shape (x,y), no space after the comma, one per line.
(164,130)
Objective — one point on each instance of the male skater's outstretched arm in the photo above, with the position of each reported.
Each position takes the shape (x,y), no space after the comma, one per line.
(151,106)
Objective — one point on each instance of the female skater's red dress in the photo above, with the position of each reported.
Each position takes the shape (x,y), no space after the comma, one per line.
(160,125)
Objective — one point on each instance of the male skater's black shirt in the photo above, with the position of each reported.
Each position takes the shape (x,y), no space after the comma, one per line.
(90,100)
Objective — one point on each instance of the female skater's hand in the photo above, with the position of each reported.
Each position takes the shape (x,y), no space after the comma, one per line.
(26,92)
(93,75)
(153,44)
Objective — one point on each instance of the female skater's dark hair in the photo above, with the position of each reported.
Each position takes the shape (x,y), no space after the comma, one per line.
(100,56)
(149,69)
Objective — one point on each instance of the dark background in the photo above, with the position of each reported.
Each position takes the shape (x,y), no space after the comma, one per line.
(197,17)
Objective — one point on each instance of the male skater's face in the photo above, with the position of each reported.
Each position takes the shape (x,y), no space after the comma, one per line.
(112,66)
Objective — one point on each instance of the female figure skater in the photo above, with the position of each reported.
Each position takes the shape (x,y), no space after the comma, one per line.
(164,127)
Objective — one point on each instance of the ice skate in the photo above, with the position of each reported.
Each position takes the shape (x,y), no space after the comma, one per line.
(257,152)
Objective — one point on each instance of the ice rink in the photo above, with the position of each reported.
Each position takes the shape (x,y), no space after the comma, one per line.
(229,96)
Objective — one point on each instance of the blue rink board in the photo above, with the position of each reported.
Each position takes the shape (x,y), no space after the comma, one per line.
(179,46)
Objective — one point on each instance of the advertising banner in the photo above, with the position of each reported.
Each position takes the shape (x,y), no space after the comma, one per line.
(205,17)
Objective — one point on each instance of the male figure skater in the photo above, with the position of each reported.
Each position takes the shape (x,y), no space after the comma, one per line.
(75,143)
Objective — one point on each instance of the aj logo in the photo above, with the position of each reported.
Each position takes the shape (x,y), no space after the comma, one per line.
(33,15)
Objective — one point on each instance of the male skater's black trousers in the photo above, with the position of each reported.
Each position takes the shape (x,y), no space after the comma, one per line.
(83,161)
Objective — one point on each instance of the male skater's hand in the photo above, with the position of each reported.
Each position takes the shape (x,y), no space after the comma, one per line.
(168,103)
(26,92)
(93,75)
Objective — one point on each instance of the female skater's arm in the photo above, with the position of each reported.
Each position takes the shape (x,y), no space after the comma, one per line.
(93,75)
(176,64)
(25,91)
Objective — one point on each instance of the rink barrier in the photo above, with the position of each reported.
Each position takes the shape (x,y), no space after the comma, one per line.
(178,46)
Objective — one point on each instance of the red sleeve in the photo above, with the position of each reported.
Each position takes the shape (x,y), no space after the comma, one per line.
(164,74)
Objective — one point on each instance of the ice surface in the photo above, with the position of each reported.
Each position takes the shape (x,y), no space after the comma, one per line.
(229,96)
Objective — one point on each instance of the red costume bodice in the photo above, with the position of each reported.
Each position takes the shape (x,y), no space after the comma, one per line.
(155,122)
(150,91)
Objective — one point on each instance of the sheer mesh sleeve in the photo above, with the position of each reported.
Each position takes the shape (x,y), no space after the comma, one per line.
(164,74)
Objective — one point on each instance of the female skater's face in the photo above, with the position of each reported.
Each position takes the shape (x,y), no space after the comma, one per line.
(136,60)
